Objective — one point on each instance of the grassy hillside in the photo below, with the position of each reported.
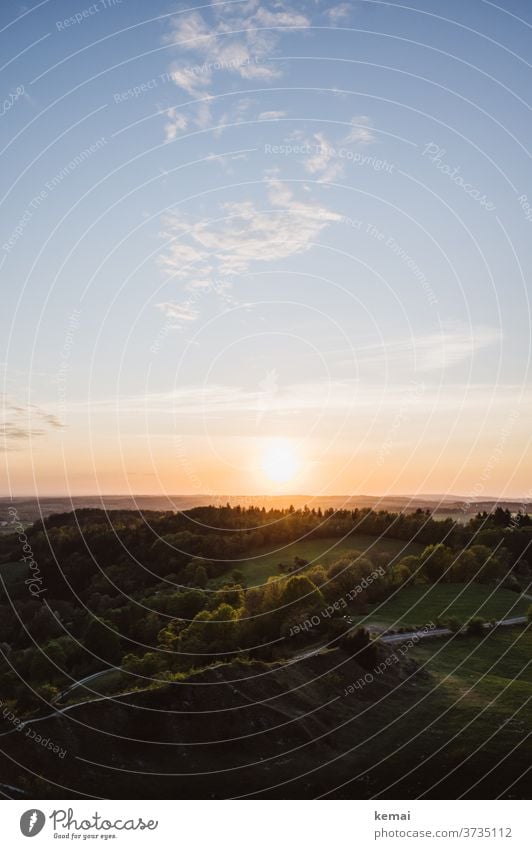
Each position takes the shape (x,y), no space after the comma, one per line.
(483,689)
(472,709)
(257,569)
(449,710)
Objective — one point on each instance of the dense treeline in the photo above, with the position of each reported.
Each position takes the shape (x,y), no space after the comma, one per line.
(159,593)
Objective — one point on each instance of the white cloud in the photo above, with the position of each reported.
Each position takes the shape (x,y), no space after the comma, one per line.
(188,30)
(244,235)
(179,255)
(177,123)
(339,13)
(325,161)
(265,18)
(273,115)
(183,312)
(195,81)
(239,40)
(362,131)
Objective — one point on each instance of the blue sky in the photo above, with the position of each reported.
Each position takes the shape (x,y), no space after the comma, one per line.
(258,227)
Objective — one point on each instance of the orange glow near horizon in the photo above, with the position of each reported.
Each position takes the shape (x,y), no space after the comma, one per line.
(250,465)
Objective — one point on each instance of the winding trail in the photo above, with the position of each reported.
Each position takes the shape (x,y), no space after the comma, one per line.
(389,639)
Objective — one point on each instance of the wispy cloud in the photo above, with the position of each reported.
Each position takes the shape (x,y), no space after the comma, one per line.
(238,40)
(183,312)
(453,345)
(323,162)
(243,235)
(177,123)
(325,397)
(21,422)
(327,160)
(272,115)
(194,82)
(361,131)
(338,14)
(235,115)
(439,350)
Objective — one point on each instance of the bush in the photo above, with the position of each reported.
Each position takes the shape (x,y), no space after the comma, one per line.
(360,647)
(475,626)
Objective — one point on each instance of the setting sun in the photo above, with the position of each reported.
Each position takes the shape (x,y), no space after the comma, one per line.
(280,461)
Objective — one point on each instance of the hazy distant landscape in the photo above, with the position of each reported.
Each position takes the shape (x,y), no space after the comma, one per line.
(30,509)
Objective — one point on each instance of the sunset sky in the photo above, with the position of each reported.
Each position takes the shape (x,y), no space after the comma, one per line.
(266,247)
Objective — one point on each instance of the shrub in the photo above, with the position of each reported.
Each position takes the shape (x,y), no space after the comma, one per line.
(475,626)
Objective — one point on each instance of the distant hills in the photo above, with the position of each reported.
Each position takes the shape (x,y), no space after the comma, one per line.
(30,508)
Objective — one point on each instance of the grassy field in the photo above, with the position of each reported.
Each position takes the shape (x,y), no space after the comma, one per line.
(482,666)
(265,562)
(418,605)
(467,723)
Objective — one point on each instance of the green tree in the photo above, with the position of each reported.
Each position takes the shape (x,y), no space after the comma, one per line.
(232,594)
(40,667)
(195,638)
(200,577)
(400,574)
(436,560)
(300,587)
(169,637)
(464,567)
(149,664)
(223,631)
(187,604)
(103,641)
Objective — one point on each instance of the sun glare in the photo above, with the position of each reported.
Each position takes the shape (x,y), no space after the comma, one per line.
(280,461)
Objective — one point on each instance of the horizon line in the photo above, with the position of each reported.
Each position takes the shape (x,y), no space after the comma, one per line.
(313,496)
